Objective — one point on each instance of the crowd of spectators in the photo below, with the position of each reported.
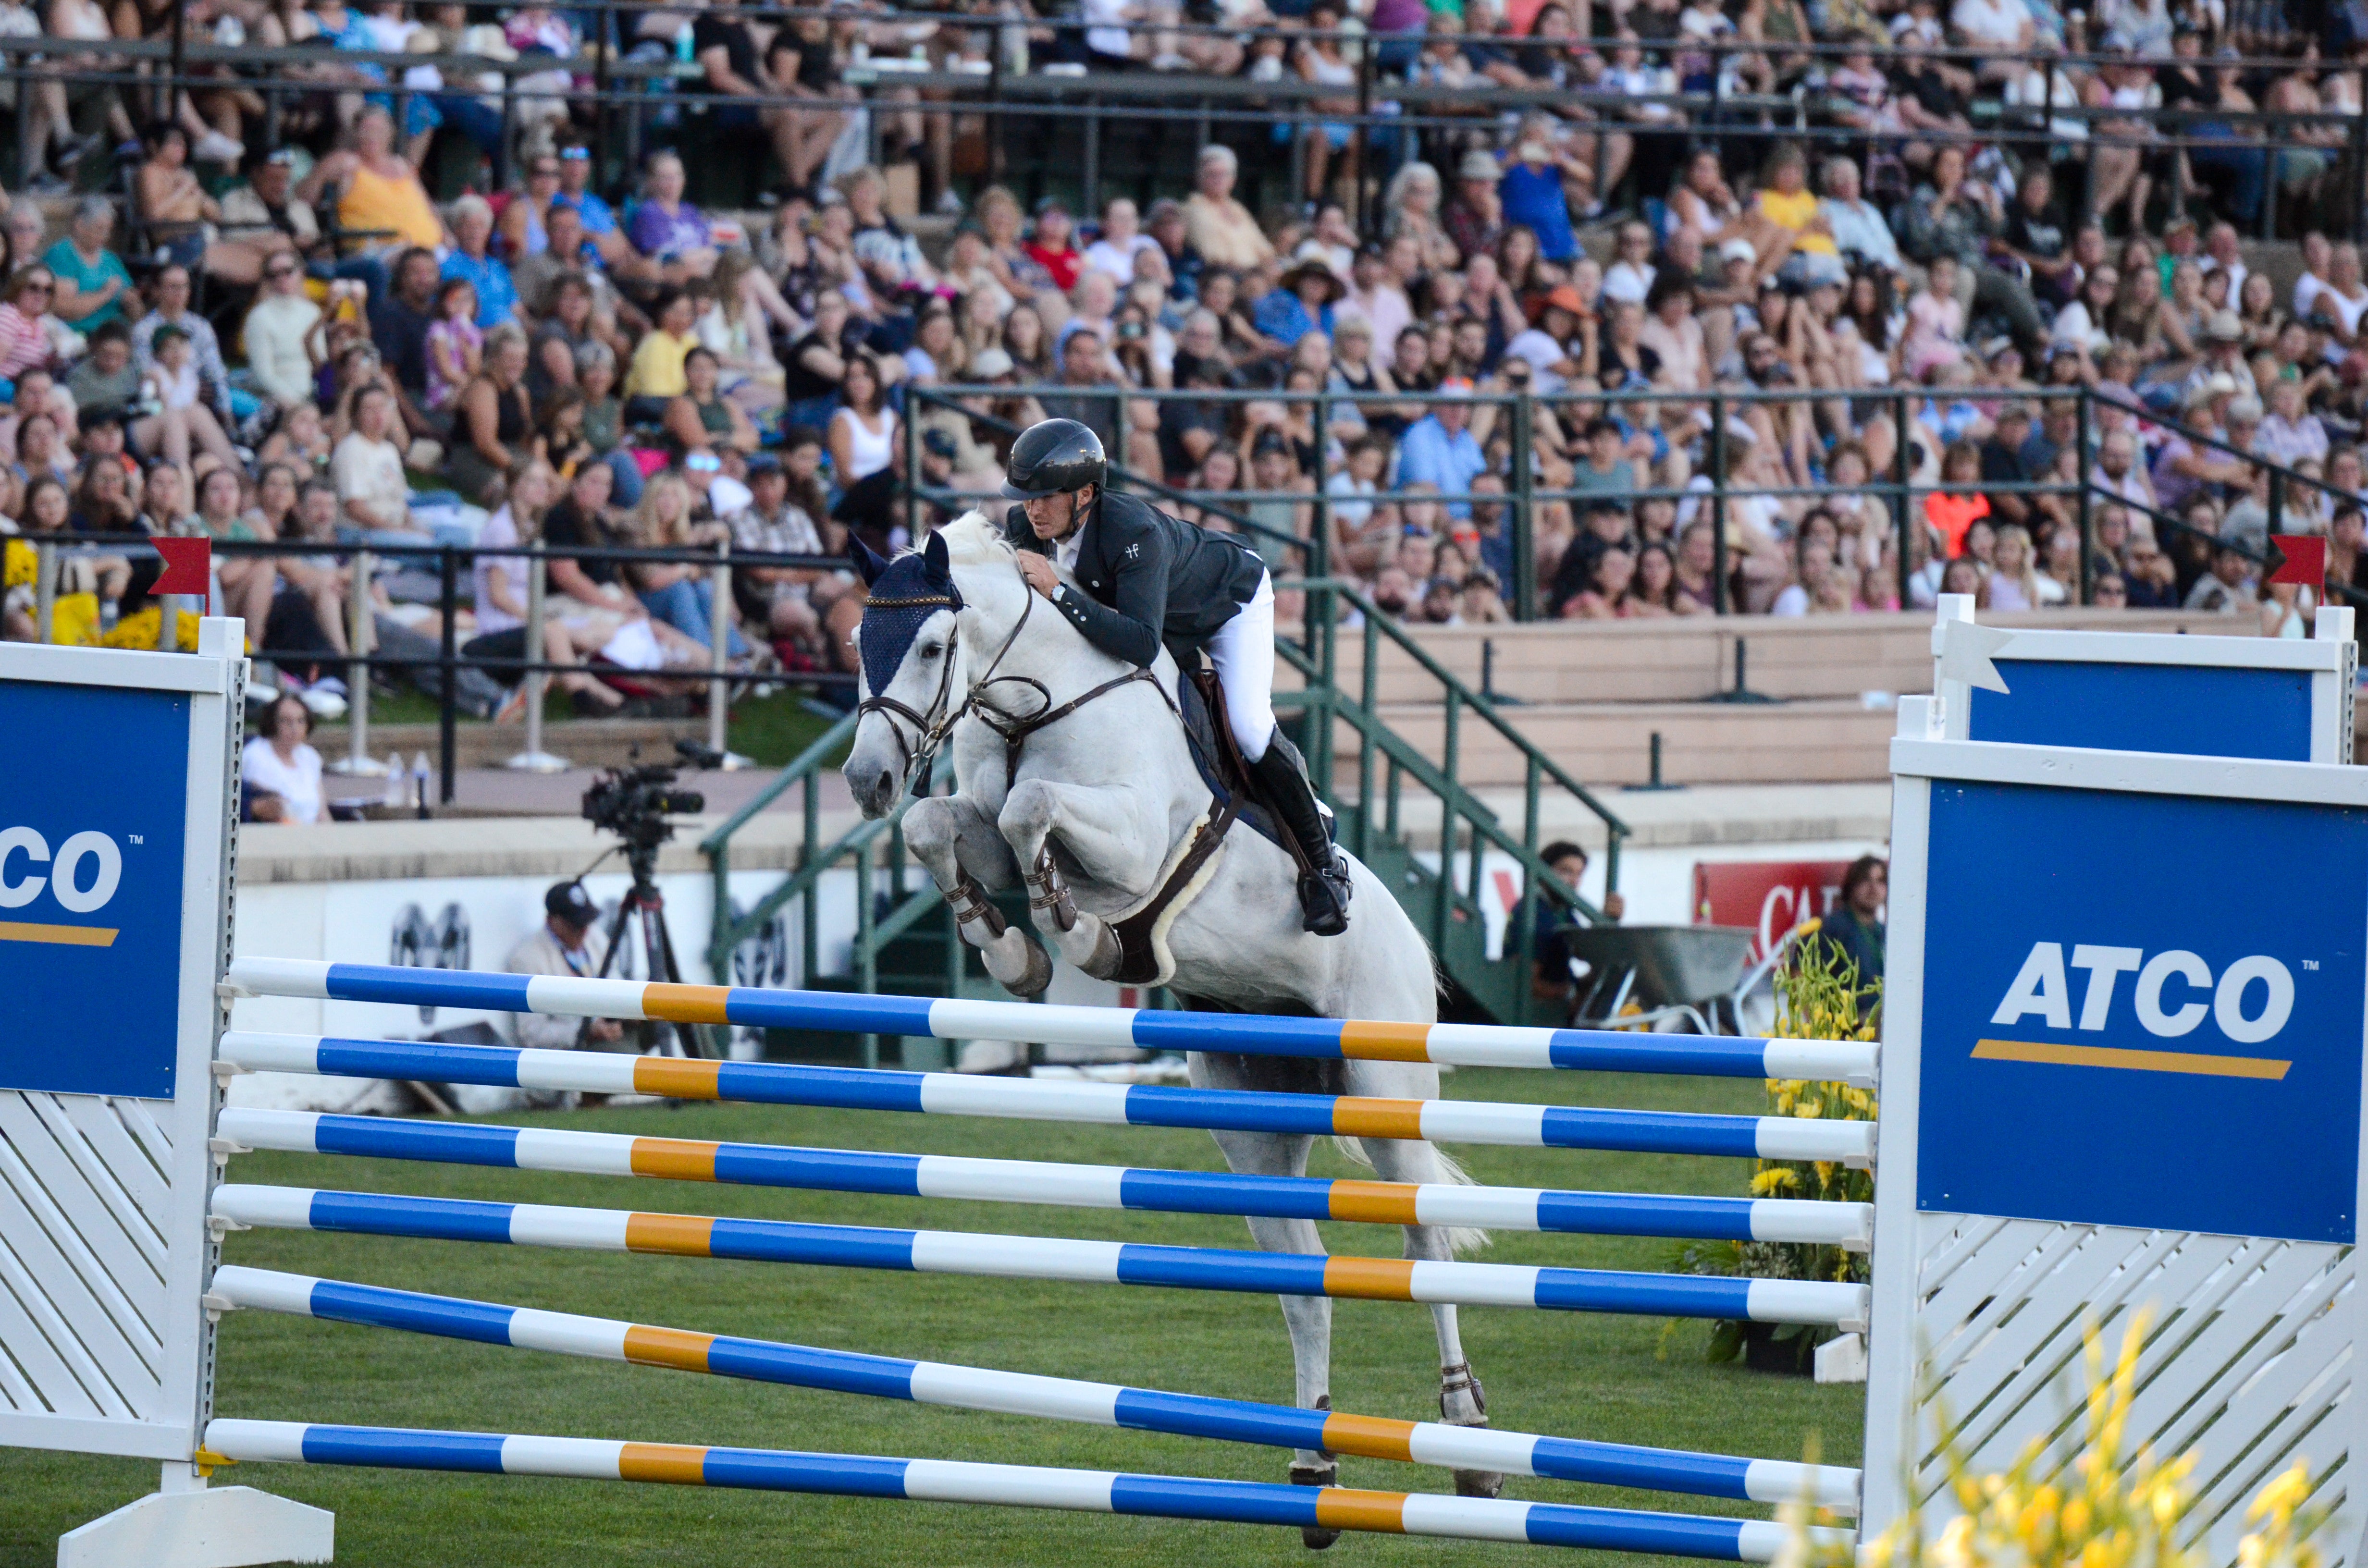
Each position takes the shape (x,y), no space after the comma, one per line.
(303,343)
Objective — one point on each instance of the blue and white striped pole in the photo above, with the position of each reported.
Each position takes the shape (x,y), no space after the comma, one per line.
(1116,1105)
(1022,1393)
(1848,1225)
(1048,1257)
(1457,1045)
(1028,1486)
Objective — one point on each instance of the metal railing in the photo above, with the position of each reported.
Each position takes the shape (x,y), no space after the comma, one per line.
(1524,495)
(449,563)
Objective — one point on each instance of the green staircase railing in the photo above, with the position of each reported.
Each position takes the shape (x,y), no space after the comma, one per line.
(1445,899)
(904,937)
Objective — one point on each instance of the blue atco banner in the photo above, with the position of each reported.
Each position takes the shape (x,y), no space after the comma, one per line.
(92,824)
(2144,1010)
(2194,710)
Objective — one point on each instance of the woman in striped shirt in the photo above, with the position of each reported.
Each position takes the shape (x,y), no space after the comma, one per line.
(23,301)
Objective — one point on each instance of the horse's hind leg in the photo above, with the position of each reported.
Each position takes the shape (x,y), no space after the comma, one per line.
(962,849)
(1462,1402)
(1308,1318)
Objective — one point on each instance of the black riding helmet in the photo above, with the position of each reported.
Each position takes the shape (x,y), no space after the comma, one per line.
(1055,456)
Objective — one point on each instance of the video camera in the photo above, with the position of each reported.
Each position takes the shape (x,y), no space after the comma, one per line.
(636,803)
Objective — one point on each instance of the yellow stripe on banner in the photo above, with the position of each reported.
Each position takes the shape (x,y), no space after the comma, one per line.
(1367,1040)
(1374,1202)
(62,935)
(1345,1508)
(677,1077)
(675,1348)
(1356,1118)
(684,1235)
(677,1464)
(684,1004)
(1369,1278)
(677,1159)
(2131,1060)
(1369,1437)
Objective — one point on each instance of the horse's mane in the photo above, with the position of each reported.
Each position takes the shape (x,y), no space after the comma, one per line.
(973,540)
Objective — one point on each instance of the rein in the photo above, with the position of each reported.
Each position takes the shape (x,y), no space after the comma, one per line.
(933,727)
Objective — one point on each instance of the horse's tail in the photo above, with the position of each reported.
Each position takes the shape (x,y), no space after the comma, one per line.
(1459,1238)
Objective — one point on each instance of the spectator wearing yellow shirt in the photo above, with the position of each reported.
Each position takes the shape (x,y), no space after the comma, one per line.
(1789,234)
(656,375)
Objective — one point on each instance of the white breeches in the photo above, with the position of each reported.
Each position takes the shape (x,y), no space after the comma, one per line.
(1243,651)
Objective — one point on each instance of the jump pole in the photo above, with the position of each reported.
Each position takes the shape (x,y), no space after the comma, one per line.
(1847,1226)
(1011,1486)
(1450,1045)
(1043,1257)
(1022,1393)
(1112,1105)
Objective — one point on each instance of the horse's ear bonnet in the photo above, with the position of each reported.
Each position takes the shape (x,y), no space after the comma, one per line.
(866,560)
(904,593)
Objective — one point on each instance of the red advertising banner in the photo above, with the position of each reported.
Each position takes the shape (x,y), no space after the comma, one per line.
(1769,896)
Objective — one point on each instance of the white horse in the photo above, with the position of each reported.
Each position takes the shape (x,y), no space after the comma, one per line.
(1092,812)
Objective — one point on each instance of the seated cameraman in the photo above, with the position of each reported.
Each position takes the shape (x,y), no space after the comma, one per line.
(566,943)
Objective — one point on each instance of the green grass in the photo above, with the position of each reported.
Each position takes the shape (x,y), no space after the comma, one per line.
(1603,1377)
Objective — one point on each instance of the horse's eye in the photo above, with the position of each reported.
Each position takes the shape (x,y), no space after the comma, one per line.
(931,650)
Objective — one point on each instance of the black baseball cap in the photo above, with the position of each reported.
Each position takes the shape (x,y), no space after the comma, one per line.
(569,901)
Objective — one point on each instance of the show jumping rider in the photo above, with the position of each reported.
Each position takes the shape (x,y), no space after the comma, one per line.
(1149,579)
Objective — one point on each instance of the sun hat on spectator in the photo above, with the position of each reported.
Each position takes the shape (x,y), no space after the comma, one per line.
(1312,267)
(1479,164)
(2246,410)
(2220,383)
(2224,327)
(1737,250)
(990,364)
(1566,298)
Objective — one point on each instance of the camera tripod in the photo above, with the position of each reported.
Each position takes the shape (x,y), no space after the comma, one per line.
(644,905)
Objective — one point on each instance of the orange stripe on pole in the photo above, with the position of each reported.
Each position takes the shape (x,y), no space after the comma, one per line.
(675,1348)
(1368,1040)
(677,1077)
(684,1004)
(1369,1278)
(677,1464)
(678,1158)
(1369,1437)
(684,1235)
(1374,1202)
(1345,1508)
(1356,1118)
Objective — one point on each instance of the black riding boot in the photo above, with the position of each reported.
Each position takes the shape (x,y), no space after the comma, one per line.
(1324,885)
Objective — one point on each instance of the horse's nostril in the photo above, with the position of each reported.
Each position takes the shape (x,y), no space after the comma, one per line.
(887,783)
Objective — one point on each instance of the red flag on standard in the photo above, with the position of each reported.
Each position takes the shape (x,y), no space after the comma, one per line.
(2299,558)
(188,566)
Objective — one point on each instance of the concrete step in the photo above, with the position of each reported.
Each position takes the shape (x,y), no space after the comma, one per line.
(1690,658)
(1813,740)
(587,743)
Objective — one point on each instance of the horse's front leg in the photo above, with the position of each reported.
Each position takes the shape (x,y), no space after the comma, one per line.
(966,853)
(1100,833)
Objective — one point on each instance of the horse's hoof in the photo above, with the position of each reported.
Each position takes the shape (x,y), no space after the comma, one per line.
(1462,1401)
(1036,976)
(1478,1482)
(1315,1537)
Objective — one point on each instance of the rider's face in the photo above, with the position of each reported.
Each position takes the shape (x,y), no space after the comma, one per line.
(1054,516)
